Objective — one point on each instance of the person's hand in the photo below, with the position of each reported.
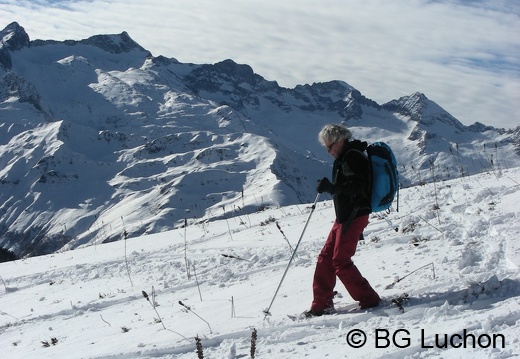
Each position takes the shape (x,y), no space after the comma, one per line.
(324,185)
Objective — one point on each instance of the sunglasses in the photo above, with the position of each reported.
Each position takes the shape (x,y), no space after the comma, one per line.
(329,147)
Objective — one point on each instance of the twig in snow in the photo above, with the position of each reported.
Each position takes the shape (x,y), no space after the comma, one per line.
(400,279)
(253,343)
(12,316)
(154,307)
(5,287)
(436,207)
(105,320)
(125,235)
(189,309)
(431,224)
(229,230)
(186,261)
(232,307)
(283,234)
(198,345)
(234,257)
(513,180)
(197,280)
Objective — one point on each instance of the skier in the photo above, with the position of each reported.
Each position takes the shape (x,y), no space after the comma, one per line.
(349,190)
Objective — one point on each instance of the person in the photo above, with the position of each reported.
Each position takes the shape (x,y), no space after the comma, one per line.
(349,190)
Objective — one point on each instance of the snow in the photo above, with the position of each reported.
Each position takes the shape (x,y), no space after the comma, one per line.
(455,252)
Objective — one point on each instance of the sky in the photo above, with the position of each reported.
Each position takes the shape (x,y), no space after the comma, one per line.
(462,54)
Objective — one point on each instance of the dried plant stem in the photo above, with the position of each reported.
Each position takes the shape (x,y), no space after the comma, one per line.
(105,320)
(412,272)
(234,257)
(229,230)
(154,307)
(186,261)
(232,307)
(12,316)
(283,234)
(127,268)
(253,343)
(189,309)
(198,345)
(430,224)
(3,282)
(125,235)
(197,280)
(437,207)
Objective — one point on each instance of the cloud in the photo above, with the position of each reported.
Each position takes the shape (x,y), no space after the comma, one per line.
(465,55)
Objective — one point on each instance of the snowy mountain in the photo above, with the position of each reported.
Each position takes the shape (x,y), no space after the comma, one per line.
(458,263)
(100,140)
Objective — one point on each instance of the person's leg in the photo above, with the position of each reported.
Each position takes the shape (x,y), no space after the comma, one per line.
(345,247)
(324,279)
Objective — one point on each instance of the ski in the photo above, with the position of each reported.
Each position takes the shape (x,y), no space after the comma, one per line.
(386,303)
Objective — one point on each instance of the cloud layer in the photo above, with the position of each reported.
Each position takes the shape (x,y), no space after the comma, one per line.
(464,55)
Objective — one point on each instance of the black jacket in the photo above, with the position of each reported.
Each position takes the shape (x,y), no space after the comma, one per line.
(350,177)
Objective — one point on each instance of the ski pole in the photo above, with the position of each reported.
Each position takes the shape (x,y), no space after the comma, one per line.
(267,311)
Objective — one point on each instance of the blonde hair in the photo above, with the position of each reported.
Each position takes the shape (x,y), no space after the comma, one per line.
(334,133)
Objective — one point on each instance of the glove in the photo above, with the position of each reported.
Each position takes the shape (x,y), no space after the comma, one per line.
(324,185)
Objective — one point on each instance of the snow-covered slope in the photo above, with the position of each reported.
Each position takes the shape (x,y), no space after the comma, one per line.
(455,252)
(98,134)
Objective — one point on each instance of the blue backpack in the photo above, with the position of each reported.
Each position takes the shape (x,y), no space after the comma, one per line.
(384,177)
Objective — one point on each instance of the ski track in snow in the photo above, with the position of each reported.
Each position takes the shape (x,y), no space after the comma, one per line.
(459,264)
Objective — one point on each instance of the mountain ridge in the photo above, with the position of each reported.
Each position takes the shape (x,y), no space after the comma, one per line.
(99,138)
